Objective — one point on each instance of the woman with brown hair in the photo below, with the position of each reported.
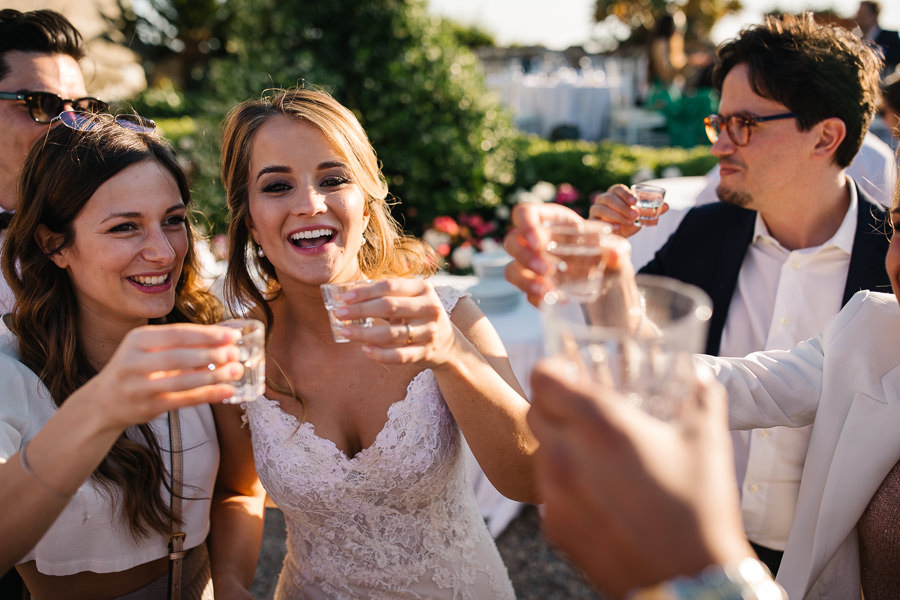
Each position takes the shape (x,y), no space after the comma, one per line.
(103,362)
(359,443)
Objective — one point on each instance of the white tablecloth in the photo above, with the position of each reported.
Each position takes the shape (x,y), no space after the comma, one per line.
(540,102)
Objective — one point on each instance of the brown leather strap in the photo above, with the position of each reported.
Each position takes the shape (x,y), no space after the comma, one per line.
(176,539)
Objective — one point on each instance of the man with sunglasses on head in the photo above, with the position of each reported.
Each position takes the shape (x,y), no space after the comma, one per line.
(39,78)
(792,238)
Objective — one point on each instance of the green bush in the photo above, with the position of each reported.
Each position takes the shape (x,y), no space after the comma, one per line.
(591,166)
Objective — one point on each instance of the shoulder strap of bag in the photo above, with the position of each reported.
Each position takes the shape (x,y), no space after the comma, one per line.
(176,539)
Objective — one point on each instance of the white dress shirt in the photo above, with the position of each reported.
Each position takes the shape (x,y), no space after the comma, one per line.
(782,298)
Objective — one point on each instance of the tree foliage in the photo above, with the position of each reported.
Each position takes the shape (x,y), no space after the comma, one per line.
(641,15)
(174,38)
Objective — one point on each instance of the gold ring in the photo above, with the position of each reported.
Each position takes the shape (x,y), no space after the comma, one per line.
(408,334)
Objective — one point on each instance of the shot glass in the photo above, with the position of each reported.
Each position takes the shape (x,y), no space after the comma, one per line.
(578,259)
(642,347)
(333,294)
(649,200)
(252,346)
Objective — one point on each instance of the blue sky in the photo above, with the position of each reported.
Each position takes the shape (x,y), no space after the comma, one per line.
(558,24)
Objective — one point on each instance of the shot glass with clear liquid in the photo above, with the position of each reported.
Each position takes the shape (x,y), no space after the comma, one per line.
(578,259)
(252,346)
(333,295)
(649,201)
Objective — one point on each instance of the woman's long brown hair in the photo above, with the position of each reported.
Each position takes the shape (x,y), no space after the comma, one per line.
(60,175)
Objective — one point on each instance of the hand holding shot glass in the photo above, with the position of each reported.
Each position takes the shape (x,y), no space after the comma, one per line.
(636,338)
(252,347)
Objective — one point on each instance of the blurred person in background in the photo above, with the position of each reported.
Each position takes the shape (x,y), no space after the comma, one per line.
(666,60)
(889,106)
(885,40)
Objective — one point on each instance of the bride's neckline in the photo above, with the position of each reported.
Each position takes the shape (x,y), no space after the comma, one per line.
(310,428)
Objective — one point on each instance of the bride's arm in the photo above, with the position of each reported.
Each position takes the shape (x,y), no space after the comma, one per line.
(488,403)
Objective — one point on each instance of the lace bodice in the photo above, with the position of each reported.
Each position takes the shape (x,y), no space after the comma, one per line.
(398,520)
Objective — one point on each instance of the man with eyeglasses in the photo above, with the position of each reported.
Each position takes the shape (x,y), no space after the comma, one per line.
(792,238)
(39,78)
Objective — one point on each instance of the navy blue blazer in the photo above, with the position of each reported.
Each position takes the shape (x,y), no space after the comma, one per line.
(889,43)
(708,248)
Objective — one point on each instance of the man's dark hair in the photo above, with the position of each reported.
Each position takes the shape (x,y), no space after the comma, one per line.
(44,31)
(817,71)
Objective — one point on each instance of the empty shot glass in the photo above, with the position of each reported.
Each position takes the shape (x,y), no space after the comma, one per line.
(333,294)
(252,346)
(649,201)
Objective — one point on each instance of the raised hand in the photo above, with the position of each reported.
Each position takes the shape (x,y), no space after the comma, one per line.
(616,206)
(527,241)
(410,324)
(634,500)
(158,368)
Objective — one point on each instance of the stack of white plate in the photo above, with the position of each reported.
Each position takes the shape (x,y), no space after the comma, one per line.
(490,265)
(495,295)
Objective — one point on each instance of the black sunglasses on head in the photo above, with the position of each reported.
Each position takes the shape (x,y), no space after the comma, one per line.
(44,106)
(83,121)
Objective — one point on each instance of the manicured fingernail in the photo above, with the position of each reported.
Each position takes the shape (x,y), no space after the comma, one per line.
(341,312)
(349,295)
(344,331)
(532,239)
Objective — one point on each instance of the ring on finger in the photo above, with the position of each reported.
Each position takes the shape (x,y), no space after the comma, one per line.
(408,334)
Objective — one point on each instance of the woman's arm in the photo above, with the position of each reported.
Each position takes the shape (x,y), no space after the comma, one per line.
(128,390)
(237,509)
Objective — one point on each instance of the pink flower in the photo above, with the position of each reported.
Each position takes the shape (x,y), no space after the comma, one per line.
(478,225)
(446,225)
(443,250)
(566,194)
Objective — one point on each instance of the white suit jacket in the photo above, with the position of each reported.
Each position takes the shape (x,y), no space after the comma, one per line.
(846,382)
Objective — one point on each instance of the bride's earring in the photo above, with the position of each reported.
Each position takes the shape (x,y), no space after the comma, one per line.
(260,252)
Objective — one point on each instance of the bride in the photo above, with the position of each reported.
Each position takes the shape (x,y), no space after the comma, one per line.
(359,443)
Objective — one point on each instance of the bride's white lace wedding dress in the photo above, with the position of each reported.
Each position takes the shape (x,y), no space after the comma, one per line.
(396,521)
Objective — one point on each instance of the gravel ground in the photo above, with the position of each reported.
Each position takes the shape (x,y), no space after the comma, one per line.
(537,571)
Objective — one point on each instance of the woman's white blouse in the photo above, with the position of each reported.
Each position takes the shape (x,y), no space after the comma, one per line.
(90,535)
